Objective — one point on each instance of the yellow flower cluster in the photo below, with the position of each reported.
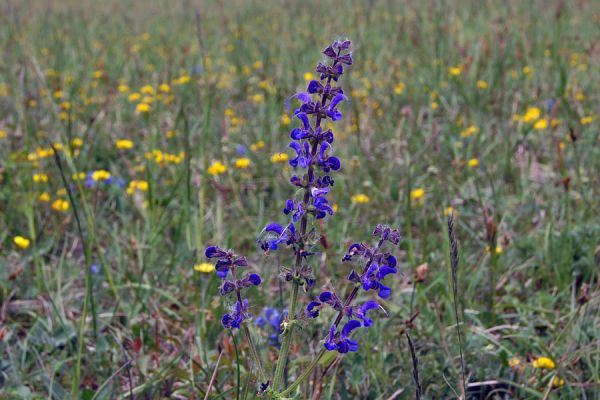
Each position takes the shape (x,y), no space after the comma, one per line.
(40,178)
(257,146)
(163,158)
(499,249)
(60,205)
(533,115)
(134,185)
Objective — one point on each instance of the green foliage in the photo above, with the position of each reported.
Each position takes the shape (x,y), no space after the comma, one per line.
(436,85)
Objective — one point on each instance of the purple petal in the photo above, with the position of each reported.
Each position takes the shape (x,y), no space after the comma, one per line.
(254,279)
(214,251)
(349,327)
(384,291)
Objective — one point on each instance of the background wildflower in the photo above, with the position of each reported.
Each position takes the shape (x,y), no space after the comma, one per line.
(21,242)
(217,168)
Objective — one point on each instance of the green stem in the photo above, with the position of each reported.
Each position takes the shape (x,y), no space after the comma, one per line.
(304,375)
(261,372)
(285,344)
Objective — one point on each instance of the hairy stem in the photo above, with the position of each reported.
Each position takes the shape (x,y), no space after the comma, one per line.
(338,319)
(261,371)
(304,374)
(285,344)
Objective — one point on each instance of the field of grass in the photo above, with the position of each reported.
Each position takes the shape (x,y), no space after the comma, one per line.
(133,134)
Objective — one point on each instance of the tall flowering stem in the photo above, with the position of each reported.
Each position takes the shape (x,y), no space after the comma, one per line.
(227,268)
(312,144)
(377,265)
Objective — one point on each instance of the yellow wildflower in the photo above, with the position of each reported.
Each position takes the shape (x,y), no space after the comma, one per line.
(417,194)
(258,98)
(77,142)
(360,199)
(531,115)
(38,178)
(78,177)
(60,205)
(123,88)
(59,94)
(308,76)
(482,84)
(100,175)
(124,144)
(499,249)
(182,80)
(558,381)
(134,185)
(21,242)
(164,88)
(544,363)
(142,186)
(473,162)
(527,70)
(586,120)
(143,108)
(204,267)
(229,112)
(242,163)
(147,89)
(3,134)
(541,124)
(399,88)
(470,131)
(257,146)
(515,363)
(285,120)
(279,157)
(134,97)
(217,168)
(45,197)
(449,210)
(434,105)
(455,71)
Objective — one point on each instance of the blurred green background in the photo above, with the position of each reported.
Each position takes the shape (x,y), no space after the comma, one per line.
(169,119)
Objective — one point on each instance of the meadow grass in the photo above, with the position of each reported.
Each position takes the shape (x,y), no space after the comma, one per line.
(134,134)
